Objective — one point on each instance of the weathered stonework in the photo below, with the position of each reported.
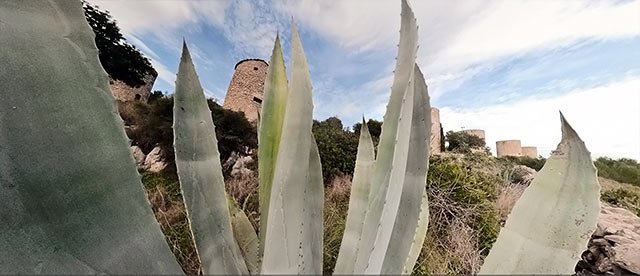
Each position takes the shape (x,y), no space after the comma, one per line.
(125,93)
(436,135)
(247,88)
(508,148)
(530,151)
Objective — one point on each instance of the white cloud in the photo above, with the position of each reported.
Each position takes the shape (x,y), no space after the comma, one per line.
(607,118)
(458,35)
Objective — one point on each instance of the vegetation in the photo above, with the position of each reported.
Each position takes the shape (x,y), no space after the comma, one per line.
(622,170)
(71,168)
(463,142)
(337,147)
(534,163)
(121,60)
(375,128)
(150,125)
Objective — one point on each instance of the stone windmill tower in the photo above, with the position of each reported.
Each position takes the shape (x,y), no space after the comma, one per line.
(247,88)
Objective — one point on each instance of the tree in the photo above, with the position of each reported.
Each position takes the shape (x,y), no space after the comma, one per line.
(121,60)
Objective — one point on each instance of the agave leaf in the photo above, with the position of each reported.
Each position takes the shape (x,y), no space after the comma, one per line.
(380,182)
(418,237)
(284,239)
(313,230)
(407,185)
(200,174)
(245,236)
(358,202)
(71,200)
(271,119)
(551,223)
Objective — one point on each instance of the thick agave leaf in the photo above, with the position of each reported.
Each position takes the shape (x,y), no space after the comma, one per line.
(380,182)
(271,119)
(407,185)
(551,223)
(200,174)
(358,201)
(245,236)
(71,200)
(313,228)
(284,238)
(418,237)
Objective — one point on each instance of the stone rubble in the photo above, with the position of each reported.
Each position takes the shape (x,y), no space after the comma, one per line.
(614,248)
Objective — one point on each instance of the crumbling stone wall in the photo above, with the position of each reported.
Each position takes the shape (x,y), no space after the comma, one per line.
(125,93)
(246,89)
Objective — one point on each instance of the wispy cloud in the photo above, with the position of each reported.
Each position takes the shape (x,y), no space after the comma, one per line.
(606,117)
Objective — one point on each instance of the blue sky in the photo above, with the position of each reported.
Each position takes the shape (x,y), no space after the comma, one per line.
(503,66)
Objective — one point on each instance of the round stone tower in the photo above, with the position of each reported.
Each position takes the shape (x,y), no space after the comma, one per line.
(476,132)
(530,151)
(508,148)
(247,88)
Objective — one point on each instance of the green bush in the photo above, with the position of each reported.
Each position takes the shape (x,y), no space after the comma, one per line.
(460,198)
(337,147)
(463,142)
(534,163)
(151,125)
(622,170)
(623,198)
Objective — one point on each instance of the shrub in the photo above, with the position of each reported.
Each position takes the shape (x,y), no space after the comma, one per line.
(534,163)
(623,198)
(151,126)
(463,142)
(622,170)
(463,221)
(337,147)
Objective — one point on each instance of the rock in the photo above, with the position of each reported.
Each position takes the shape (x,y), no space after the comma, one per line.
(153,162)
(627,256)
(240,167)
(138,155)
(614,248)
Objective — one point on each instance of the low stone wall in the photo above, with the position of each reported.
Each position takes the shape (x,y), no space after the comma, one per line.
(125,93)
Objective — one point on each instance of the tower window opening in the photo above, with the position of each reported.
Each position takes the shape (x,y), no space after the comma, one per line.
(257,100)
(255,68)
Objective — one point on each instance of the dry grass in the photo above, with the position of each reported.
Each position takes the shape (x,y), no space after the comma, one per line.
(244,189)
(508,194)
(172,217)
(336,205)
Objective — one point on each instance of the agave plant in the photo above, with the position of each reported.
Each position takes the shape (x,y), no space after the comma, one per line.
(71,200)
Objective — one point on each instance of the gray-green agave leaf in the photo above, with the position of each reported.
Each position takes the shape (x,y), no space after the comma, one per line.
(551,223)
(200,174)
(293,193)
(71,200)
(358,202)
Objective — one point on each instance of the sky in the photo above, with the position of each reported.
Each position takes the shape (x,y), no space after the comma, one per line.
(505,66)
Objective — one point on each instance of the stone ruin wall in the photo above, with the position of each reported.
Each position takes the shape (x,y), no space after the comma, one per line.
(247,88)
(530,151)
(436,135)
(508,148)
(125,93)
